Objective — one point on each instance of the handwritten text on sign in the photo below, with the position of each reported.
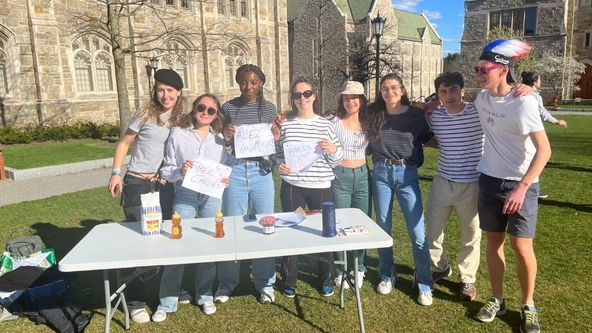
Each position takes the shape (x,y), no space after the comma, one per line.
(301,155)
(253,141)
(206,177)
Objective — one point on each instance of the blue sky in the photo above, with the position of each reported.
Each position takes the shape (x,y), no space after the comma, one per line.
(447,16)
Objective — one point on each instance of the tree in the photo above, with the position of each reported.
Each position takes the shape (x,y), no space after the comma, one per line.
(452,62)
(112,19)
(362,60)
(558,72)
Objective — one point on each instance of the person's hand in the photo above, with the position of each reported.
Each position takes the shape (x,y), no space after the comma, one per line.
(327,146)
(284,169)
(225,181)
(562,123)
(115,185)
(522,90)
(515,200)
(276,125)
(186,166)
(429,107)
(229,132)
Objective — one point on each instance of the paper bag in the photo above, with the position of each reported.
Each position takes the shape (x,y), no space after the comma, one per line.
(151,213)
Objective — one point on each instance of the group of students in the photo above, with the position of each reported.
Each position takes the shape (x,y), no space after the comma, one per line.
(491,154)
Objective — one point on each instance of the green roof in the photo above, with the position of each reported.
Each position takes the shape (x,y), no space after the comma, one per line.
(412,26)
(355,10)
(294,8)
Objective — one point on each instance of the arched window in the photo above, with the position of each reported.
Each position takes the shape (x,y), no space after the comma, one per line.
(173,55)
(93,64)
(3,76)
(236,55)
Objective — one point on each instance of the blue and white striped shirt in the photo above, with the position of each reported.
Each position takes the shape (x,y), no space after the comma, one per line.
(460,138)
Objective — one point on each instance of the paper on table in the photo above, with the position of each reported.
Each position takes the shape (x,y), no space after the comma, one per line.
(253,141)
(288,219)
(206,177)
(300,156)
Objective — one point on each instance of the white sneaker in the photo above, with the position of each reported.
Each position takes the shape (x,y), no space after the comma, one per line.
(140,316)
(159,316)
(222,295)
(208,308)
(360,279)
(385,286)
(267,297)
(338,280)
(425,298)
(184,297)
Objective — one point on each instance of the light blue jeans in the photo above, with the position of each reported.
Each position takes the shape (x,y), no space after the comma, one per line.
(189,204)
(402,181)
(249,185)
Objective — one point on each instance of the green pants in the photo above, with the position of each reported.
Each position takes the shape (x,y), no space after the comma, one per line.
(351,190)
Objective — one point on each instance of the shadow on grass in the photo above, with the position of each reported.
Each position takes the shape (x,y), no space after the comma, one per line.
(579,207)
(511,317)
(570,167)
(299,313)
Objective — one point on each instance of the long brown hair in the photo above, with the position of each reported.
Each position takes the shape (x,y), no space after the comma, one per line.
(189,119)
(377,110)
(363,113)
(315,106)
(153,109)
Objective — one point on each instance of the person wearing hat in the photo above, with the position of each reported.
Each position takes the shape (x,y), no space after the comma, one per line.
(147,133)
(515,152)
(350,186)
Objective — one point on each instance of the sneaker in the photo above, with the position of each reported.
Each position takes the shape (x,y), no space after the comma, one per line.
(437,276)
(385,286)
(425,298)
(289,292)
(184,297)
(140,316)
(543,195)
(327,290)
(468,292)
(360,280)
(267,297)
(530,320)
(338,280)
(159,316)
(491,309)
(208,308)
(222,295)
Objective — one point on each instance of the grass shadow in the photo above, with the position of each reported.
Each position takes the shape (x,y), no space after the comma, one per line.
(579,207)
(566,166)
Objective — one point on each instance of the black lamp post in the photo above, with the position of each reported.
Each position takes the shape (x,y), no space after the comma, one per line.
(153,68)
(378,27)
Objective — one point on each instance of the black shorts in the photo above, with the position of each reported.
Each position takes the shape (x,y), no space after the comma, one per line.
(492,195)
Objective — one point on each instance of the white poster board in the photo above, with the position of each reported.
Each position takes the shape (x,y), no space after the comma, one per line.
(301,155)
(206,177)
(253,141)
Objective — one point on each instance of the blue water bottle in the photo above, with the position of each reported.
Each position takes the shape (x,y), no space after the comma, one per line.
(329,228)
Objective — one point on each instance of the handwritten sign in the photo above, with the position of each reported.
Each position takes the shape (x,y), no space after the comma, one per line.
(300,156)
(206,177)
(253,141)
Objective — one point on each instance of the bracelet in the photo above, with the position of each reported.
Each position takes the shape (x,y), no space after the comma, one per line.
(116,172)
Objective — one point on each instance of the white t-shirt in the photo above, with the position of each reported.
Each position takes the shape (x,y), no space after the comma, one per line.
(507,122)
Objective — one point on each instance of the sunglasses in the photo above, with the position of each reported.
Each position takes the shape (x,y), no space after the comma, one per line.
(486,69)
(297,95)
(202,108)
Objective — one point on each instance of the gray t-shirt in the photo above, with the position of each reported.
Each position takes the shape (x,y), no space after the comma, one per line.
(149,143)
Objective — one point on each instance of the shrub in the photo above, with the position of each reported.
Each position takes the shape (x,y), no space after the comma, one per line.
(79,130)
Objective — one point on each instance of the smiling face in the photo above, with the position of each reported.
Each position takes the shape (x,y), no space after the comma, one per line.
(250,86)
(351,103)
(203,108)
(489,74)
(303,103)
(392,90)
(450,96)
(167,96)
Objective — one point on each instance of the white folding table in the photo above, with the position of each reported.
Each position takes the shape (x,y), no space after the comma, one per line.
(122,245)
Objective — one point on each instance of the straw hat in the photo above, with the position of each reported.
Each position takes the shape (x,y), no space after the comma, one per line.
(351,88)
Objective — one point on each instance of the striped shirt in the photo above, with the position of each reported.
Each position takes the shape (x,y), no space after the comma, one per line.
(354,143)
(320,174)
(460,138)
(402,137)
(238,113)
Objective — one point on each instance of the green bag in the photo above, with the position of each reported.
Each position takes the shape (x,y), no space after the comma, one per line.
(25,246)
(5,263)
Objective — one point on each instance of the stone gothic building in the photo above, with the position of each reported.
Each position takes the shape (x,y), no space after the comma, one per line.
(55,71)
(563,27)
(327,35)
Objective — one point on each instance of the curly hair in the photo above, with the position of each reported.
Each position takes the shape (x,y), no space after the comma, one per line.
(377,110)
(363,115)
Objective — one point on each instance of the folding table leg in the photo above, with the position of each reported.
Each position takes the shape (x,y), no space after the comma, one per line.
(343,280)
(123,302)
(358,298)
(107,300)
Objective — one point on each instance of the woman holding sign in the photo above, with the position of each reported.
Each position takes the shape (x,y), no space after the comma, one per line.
(147,132)
(350,186)
(308,150)
(396,134)
(248,120)
(194,143)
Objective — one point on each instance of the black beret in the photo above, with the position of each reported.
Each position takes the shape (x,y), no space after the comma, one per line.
(169,77)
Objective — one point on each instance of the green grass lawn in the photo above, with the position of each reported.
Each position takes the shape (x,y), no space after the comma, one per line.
(576,106)
(54,153)
(562,245)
